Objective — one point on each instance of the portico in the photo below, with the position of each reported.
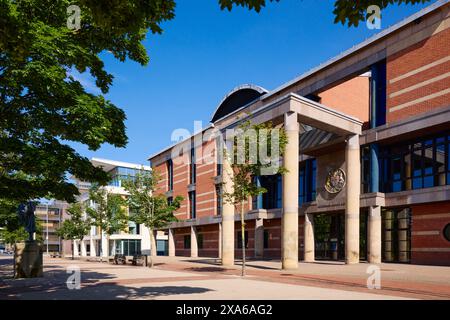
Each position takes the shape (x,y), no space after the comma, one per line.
(298,115)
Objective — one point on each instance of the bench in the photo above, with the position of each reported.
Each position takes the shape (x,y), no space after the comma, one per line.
(119,258)
(138,259)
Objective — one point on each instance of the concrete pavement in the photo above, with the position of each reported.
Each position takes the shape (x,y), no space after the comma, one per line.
(200,279)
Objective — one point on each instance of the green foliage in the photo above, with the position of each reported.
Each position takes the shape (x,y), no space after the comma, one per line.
(245,169)
(352,12)
(109,213)
(11,230)
(146,208)
(247,163)
(76,227)
(42,105)
(345,11)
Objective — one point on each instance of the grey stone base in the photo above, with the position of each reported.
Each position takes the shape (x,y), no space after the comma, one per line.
(28,260)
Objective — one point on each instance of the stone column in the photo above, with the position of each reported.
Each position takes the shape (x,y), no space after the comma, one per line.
(227,215)
(194,244)
(259,238)
(76,253)
(289,220)
(353,186)
(93,245)
(374,235)
(171,243)
(308,238)
(105,244)
(83,248)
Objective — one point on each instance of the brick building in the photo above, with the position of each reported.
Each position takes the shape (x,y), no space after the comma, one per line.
(377,117)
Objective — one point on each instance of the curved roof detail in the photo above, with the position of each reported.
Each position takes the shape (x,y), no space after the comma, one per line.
(237,98)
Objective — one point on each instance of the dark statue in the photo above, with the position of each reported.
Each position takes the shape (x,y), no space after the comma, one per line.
(27,218)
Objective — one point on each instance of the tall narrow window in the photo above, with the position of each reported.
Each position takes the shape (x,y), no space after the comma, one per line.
(307,181)
(219,200)
(187,241)
(192,162)
(170,174)
(192,205)
(219,158)
(200,241)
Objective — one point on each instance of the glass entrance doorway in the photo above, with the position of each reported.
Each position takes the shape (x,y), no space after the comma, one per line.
(329,236)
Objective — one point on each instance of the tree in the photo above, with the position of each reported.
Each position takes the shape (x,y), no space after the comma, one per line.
(108,212)
(11,230)
(345,11)
(76,227)
(153,211)
(43,105)
(247,165)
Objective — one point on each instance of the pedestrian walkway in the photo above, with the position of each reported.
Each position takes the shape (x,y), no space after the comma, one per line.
(197,278)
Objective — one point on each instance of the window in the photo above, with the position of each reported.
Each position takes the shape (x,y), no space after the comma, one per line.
(119,174)
(307,181)
(193,173)
(239,239)
(192,205)
(365,169)
(396,236)
(417,164)
(187,241)
(446,232)
(273,197)
(169,174)
(219,200)
(200,241)
(126,247)
(133,227)
(219,149)
(266,239)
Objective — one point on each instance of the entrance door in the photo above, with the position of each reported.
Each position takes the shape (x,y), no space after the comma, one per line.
(329,236)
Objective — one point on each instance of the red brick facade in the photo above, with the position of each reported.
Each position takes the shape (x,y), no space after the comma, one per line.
(427,60)
(417,81)
(427,242)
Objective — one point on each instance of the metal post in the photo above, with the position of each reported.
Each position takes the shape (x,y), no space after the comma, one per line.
(47,227)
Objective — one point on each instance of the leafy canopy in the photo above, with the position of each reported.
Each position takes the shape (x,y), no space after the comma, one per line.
(153,211)
(76,227)
(11,229)
(108,212)
(43,106)
(345,11)
(247,163)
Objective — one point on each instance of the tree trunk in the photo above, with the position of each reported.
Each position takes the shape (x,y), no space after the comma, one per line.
(243,238)
(101,245)
(152,246)
(73,249)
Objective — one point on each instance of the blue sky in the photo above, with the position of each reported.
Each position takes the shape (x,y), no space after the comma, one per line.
(205,52)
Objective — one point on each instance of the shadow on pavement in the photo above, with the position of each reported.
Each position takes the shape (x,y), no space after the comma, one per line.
(94,285)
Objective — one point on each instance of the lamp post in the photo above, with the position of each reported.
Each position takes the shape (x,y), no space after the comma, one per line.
(46,238)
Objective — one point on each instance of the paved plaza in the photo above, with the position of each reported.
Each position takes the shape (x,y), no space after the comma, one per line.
(202,279)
